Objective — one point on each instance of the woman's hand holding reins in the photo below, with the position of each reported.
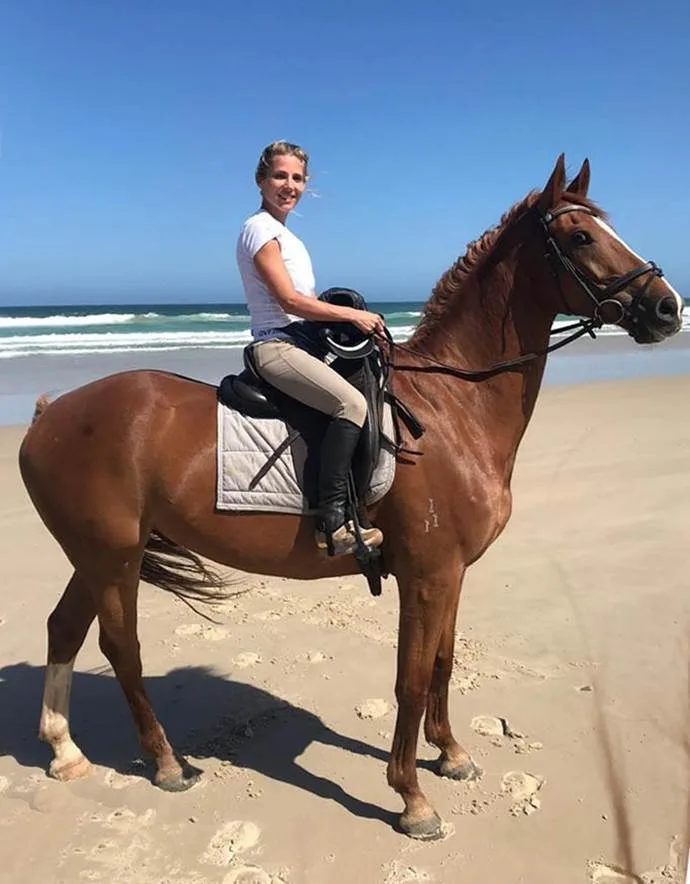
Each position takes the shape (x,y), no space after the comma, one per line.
(366,322)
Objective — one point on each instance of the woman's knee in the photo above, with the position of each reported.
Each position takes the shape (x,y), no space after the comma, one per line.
(354,408)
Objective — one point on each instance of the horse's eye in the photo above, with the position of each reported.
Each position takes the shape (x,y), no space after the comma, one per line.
(581,238)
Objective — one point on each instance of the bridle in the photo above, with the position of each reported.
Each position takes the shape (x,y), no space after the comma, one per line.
(602,296)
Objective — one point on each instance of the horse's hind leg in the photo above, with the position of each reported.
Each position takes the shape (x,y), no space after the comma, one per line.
(67,628)
(454,761)
(116,605)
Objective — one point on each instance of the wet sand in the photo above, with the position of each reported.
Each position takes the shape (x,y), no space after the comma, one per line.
(579,613)
(22,380)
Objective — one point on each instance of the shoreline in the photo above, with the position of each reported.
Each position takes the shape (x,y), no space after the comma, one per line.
(22,380)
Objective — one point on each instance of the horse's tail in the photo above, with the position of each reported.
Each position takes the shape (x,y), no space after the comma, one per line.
(180,571)
(42,403)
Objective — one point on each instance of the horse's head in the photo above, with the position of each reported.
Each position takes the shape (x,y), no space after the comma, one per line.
(597,274)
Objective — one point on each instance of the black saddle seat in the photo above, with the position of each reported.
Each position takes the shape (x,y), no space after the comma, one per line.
(247,393)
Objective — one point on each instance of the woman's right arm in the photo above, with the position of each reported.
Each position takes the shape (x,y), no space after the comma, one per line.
(269,262)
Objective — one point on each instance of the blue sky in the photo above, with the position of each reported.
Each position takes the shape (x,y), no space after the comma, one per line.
(131,129)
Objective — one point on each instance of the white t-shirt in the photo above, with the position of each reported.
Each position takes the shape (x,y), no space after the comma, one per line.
(265,311)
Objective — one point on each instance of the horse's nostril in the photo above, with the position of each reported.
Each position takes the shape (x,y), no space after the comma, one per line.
(667,308)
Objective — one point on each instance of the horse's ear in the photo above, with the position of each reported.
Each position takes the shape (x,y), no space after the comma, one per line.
(580,183)
(555,186)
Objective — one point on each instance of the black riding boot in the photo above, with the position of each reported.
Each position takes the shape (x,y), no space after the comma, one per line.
(337,451)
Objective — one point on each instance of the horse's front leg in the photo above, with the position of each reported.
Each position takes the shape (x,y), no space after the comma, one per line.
(453,761)
(423,610)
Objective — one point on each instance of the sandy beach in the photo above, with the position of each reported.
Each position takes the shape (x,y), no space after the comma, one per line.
(577,615)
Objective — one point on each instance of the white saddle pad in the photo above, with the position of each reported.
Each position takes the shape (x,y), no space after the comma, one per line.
(244,446)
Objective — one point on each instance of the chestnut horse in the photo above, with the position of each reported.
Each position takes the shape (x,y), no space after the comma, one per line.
(123,473)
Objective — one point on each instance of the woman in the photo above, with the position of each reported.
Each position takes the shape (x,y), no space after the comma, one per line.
(280,289)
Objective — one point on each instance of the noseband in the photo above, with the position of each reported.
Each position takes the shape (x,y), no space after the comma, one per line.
(602,295)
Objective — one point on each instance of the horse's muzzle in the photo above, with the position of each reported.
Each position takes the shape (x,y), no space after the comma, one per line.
(668,313)
(656,320)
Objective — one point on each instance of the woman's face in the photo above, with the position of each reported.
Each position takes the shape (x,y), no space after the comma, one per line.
(283,186)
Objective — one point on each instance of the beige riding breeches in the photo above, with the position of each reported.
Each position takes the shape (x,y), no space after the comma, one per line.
(309,380)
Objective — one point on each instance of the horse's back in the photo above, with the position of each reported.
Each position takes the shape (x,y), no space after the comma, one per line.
(121,395)
(116,421)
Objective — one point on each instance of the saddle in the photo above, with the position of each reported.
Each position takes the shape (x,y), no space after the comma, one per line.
(358,359)
(363,367)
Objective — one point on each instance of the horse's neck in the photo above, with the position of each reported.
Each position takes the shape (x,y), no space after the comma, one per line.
(496,317)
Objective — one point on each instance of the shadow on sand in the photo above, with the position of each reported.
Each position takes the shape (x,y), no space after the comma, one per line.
(205,715)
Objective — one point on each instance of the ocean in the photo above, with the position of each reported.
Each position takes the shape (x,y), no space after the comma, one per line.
(69,330)
(143,328)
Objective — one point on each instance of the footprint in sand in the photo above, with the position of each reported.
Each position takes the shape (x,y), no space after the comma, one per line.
(245,659)
(372,709)
(522,788)
(498,730)
(209,633)
(672,873)
(214,633)
(51,800)
(603,874)
(125,820)
(247,875)
(189,629)
(264,616)
(464,683)
(400,873)
(28,785)
(116,780)
(230,840)
(489,725)
(114,845)
(475,807)
(312,657)
(104,844)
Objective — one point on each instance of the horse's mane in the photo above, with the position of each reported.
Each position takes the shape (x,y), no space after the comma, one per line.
(448,288)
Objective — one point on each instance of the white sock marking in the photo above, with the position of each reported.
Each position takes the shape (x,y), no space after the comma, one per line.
(54,727)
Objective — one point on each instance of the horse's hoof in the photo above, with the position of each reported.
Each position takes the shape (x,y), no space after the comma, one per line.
(175,782)
(428,829)
(177,779)
(74,769)
(466,770)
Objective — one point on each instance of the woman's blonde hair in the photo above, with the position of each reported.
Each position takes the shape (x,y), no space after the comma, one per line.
(279,149)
